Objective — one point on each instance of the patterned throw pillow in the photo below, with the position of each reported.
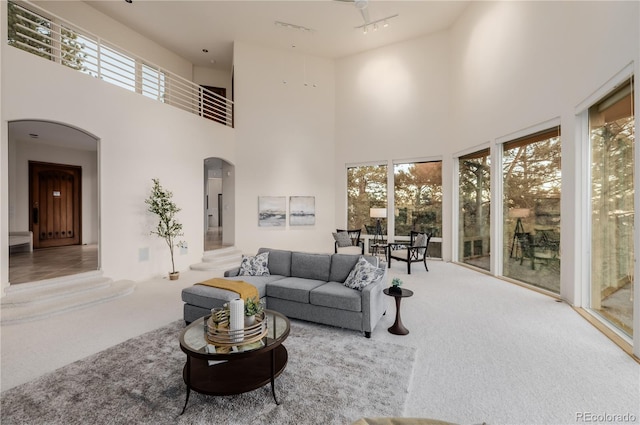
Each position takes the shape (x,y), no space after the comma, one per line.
(362,274)
(255,266)
(342,238)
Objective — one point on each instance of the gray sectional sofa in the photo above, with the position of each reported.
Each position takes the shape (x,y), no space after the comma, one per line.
(303,286)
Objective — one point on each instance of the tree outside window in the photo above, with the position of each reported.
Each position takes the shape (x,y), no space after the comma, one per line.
(474,200)
(366,189)
(418,198)
(531,229)
(612,123)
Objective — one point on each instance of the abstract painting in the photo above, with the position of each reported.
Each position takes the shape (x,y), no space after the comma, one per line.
(302,210)
(272,211)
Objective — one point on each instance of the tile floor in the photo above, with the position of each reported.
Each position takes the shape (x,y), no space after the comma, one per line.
(48,263)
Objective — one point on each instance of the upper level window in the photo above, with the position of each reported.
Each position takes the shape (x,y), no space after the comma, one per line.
(153,83)
(531,229)
(29,31)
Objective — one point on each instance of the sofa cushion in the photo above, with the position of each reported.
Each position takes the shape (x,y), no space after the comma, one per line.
(255,266)
(363,274)
(279,261)
(342,264)
(336,295)
(293,288)
(310,266)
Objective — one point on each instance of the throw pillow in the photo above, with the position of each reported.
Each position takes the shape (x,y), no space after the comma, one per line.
(342,238)
(362,274)
(255,266)
(421,240)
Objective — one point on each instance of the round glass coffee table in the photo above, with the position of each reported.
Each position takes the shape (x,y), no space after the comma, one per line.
(244,368)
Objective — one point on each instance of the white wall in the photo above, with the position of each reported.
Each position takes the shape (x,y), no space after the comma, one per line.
(139,139)
(285,144)
(504,67)
(393,103)
(24,151)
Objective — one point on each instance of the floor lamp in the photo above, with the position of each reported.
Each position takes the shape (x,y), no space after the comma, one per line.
(378,213)
(519,214)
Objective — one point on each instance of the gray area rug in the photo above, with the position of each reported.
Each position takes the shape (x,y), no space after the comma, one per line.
(333,376)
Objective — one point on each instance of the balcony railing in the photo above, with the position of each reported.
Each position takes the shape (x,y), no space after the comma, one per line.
(39,32)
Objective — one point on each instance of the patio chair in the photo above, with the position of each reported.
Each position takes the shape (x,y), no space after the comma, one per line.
(412,252)
(349,244)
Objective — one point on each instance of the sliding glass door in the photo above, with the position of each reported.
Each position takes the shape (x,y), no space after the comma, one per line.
(611,129)
(531,228)
(474,203)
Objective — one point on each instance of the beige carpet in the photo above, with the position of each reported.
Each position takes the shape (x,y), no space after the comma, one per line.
(487,351)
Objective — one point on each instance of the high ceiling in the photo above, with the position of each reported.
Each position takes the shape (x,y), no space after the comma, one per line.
(188,27)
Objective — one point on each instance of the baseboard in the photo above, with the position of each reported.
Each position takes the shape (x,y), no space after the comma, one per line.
(617,339)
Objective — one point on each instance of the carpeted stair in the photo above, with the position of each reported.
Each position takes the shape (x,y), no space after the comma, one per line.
(219,260)
(31,301)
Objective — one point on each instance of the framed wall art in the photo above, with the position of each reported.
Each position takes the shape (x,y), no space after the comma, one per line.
(272,211)
(302,210)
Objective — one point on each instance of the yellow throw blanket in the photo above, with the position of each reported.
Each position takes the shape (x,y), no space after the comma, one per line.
(244,289)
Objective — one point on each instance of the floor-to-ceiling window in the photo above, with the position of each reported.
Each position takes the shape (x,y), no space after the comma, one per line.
(366,189)
(418,201)
(611,130)
(531,227)
(474,207)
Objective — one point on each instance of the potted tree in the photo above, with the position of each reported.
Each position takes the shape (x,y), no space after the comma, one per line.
(168,228)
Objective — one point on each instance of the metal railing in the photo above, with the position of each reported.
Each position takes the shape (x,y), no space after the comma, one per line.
(39,32)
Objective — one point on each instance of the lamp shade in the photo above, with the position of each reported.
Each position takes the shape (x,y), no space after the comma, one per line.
(519,212)
(378,212)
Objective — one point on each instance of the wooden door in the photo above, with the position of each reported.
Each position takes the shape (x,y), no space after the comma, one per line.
(54,193)
(214,107)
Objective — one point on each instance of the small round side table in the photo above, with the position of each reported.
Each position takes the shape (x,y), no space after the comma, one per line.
(398,328)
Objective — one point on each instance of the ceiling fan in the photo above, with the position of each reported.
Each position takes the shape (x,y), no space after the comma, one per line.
(363,7)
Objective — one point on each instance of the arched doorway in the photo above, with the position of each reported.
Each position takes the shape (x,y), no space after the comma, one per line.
(53,193)
(218,204)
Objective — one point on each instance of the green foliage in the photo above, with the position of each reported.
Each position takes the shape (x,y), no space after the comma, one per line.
(396,282)
(366,188)
(33,33)
(38,29)
(252,307)
(168,228)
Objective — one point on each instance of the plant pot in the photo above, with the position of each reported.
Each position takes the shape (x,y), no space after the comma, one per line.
(395,289)
(249,320)
(174,276)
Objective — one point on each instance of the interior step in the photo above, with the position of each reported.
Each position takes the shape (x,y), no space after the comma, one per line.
(219,260)
(37,300)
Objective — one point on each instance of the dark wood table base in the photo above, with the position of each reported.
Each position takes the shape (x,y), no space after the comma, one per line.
(398,328)
(235,376)
(398,293)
